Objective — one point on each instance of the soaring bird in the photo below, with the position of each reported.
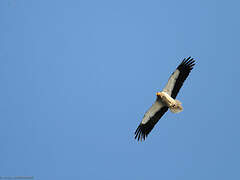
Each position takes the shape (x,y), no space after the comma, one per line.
(165,99)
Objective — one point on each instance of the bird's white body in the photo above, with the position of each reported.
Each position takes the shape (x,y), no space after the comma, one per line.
(174,105)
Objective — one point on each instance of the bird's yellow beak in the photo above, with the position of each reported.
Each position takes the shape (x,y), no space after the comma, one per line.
(158,93)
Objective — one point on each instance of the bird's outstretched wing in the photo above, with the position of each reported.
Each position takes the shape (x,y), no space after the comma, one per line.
(178,77)
(151,117)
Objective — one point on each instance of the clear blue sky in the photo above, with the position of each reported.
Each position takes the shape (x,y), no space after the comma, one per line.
(77,76)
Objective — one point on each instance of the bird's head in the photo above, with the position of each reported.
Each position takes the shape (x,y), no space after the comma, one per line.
(159,94)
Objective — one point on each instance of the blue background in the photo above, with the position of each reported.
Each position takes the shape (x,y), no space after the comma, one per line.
(77,76)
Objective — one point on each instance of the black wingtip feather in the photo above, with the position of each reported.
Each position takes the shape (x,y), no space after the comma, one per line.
(187,64)
(141,133)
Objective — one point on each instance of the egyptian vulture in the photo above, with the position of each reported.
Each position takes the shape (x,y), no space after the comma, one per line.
(165,99)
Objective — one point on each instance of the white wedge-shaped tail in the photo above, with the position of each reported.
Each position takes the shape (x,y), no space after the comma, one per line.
(177,107)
